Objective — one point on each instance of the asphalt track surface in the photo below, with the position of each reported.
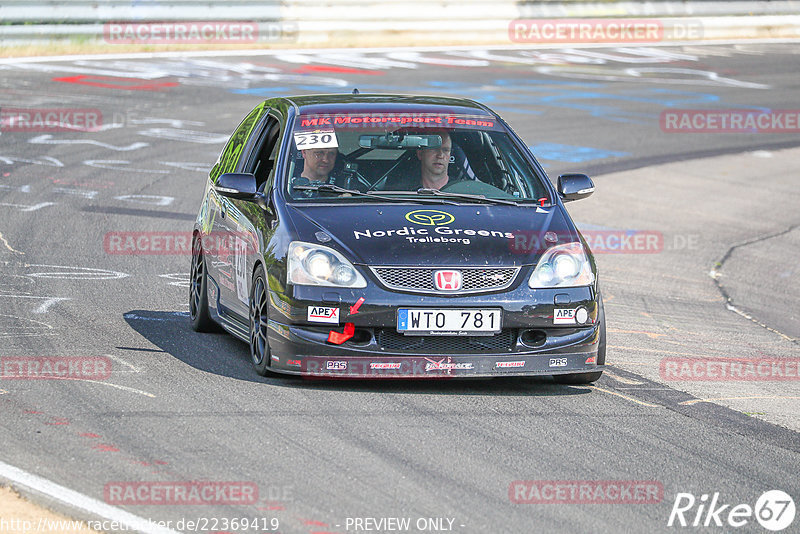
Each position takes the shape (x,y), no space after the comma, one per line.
(182,406)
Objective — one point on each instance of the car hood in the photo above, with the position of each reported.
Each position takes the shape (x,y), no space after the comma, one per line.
(447,235)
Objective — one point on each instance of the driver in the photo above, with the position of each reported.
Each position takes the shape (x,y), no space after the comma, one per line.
(433,166)
(434,163)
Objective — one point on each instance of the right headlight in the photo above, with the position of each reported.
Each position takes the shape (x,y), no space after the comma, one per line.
(562,266)
(315,265)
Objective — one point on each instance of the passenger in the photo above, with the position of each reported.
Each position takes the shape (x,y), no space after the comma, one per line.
(319,163)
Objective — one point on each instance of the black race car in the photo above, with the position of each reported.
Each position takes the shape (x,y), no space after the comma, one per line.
(394,236)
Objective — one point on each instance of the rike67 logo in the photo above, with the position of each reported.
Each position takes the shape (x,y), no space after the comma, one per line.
(774,510)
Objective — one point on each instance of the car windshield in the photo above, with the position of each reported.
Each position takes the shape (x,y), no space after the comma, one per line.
(404,155)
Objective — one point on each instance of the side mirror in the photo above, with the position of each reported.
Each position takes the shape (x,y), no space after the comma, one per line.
(238,185)
(574,186)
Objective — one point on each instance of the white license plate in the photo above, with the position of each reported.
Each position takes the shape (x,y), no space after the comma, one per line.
(448,321)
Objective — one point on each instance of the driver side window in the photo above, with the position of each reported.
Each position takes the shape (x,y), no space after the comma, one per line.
(266,153)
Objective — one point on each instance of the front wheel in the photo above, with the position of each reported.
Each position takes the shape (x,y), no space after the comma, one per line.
(259,346)
(588,378)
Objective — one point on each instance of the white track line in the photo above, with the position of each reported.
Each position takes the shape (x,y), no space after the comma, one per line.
(78,500)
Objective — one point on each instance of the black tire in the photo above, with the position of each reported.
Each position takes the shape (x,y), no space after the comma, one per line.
(198,292)
(259,305)
(588,378)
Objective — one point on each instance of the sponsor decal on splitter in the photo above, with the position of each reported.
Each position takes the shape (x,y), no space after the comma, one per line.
(508,365)
(385,365)
(443,366)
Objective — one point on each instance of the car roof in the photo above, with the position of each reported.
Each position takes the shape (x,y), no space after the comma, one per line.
(377,103)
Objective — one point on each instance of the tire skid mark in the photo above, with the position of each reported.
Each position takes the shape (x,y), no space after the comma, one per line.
(707,411)
(626,397)
(751,397)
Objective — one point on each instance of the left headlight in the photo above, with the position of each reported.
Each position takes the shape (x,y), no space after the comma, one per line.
(314,265)
(562,266)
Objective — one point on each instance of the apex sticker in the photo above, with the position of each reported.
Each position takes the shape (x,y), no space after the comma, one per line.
(323,314)
(564,316)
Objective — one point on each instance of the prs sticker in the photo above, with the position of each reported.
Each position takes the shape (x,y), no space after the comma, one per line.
(323,314)
(316,139)
(564,316)
(335,365)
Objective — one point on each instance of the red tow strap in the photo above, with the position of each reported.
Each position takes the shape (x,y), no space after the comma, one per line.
(338,338)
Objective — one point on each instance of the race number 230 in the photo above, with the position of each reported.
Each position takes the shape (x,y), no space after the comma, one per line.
(306,140)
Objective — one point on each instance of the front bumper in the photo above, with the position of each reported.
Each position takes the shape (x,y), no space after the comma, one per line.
(529,344)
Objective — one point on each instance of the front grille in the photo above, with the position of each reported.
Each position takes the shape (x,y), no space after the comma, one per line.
(392,341)
(421,278)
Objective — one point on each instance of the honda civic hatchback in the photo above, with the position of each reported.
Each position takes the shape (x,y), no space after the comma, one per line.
(375,236)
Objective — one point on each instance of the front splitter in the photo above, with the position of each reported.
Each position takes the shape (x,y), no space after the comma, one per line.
(459,366)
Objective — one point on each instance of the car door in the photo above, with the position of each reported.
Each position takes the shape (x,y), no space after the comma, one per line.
(220,243)
(242,220)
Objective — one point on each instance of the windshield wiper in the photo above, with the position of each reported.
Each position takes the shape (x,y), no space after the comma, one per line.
(465,196)
(327,188)
(332,188)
